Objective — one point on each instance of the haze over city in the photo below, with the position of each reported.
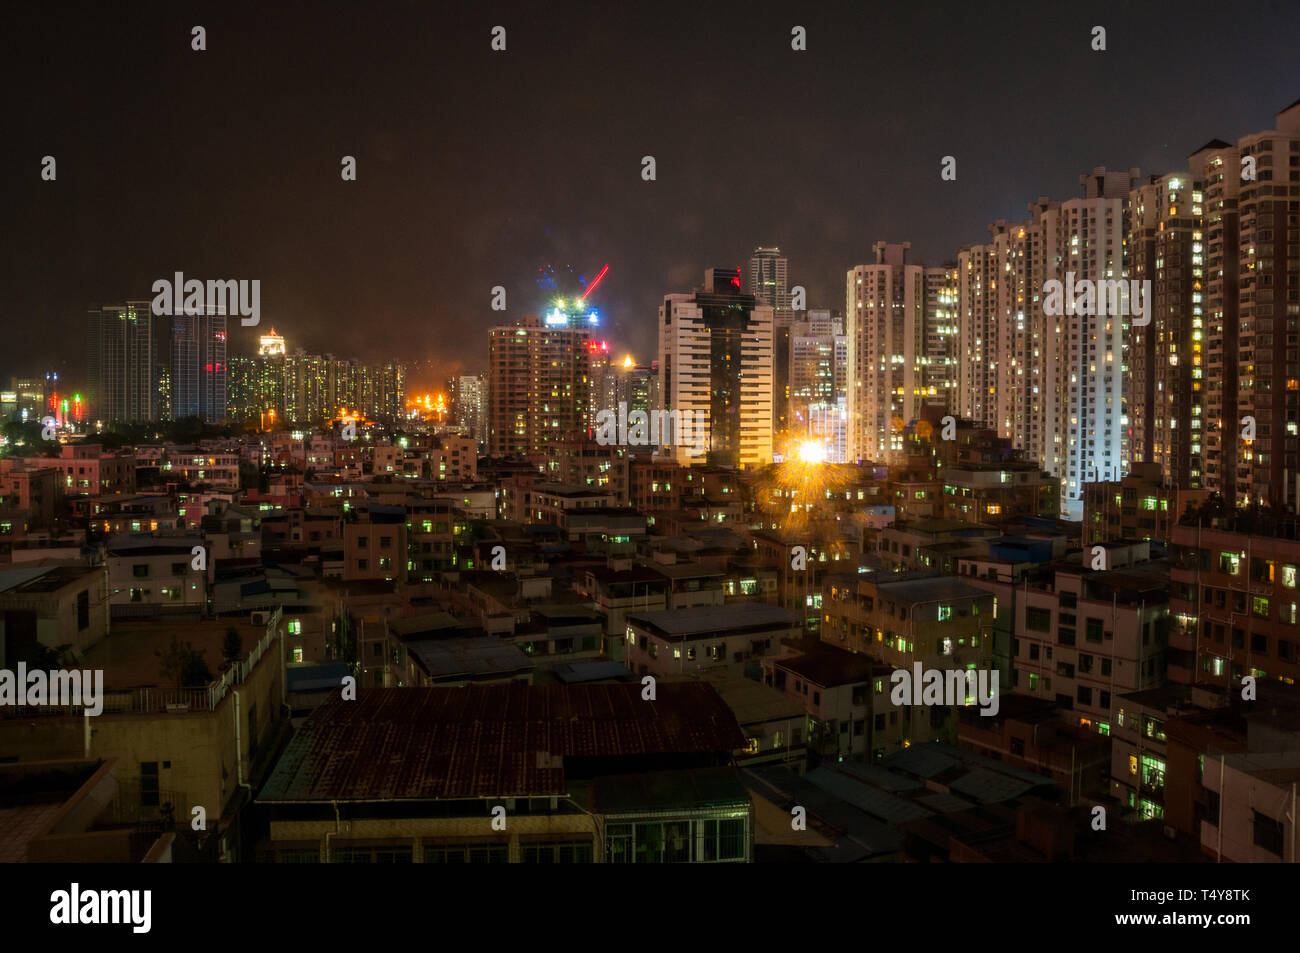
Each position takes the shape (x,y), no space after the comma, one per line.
(710,434)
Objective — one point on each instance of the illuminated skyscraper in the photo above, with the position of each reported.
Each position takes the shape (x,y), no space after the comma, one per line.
(199,366)
(1252,249)
(884,321)
(120,362)
(818,367)
(939,377)
(539,379)
(1166,395)
(715,360)
(769,284)
(468,404)
(1093,351)
(270,345)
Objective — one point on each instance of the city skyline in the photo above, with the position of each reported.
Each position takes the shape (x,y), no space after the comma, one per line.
(710,434)
(349,272)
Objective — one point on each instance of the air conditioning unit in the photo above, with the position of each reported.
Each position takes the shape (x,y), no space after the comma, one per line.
(260,618)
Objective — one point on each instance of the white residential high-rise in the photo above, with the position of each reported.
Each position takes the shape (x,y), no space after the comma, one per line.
(1005,343)
(884,325)
(1051,384)
(715,360)
(1094,347)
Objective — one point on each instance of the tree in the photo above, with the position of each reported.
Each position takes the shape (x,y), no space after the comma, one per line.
(232,648)
(184,666)
(43,657)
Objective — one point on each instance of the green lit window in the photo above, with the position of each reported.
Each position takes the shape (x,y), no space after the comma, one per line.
(1153,772)
(1151,810)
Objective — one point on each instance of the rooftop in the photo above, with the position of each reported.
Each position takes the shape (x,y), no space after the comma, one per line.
(128,654)
(483,657)
(735,618)
(1278,768)
(916,590)
(487,741)
(828,666)
(42,578)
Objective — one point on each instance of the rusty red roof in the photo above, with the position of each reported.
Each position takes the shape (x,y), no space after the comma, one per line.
(490,740)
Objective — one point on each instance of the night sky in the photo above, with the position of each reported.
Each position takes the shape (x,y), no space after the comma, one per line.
(475,168)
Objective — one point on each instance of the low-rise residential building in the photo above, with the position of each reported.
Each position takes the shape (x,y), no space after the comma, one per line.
(150,575)
(731,638)
(52,608)
(1140,506)
(512,774)
(939,623)
(1084,636)
(844,696)
(1235,602)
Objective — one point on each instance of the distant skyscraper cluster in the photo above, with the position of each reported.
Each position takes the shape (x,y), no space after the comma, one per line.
(274,386)
(144,367)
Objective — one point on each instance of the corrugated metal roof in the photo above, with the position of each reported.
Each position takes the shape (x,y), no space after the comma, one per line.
(488,741)
(944,803)
(698,620)
(880,804)
(468,658)
(925,761)
(991,786)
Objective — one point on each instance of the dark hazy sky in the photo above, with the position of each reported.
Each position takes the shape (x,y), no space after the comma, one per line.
(475,167)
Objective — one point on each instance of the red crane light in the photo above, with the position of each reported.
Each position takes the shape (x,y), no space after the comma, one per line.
(592,287)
